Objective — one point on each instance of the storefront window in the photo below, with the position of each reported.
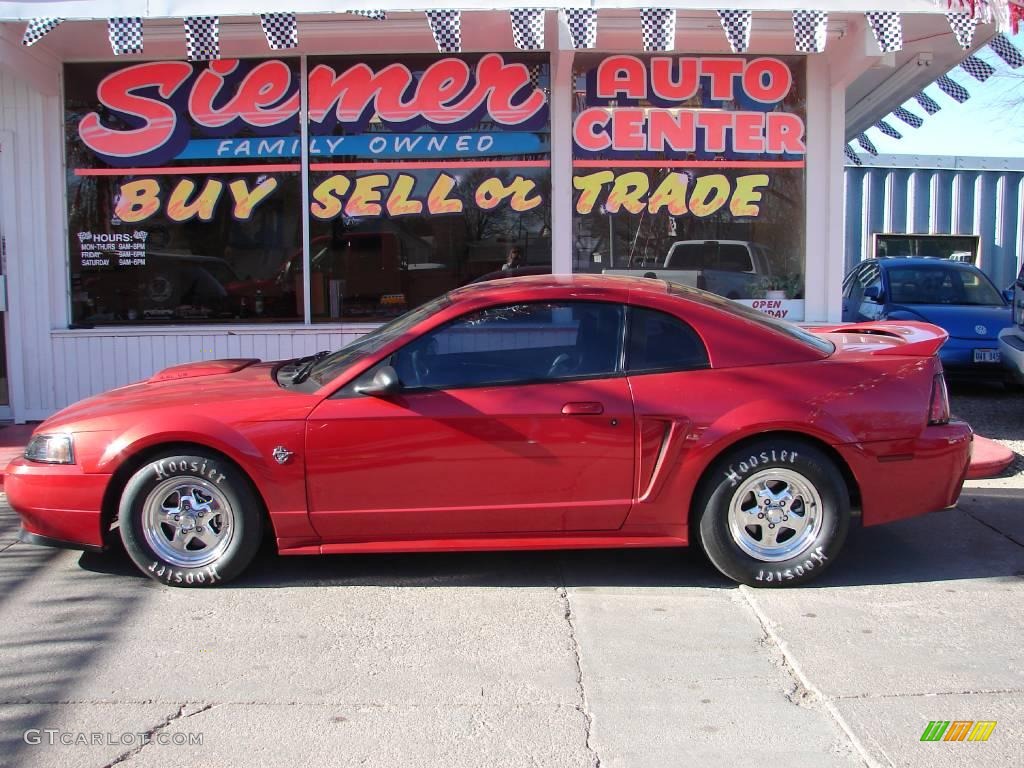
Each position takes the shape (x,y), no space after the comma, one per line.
(427,184)
(185,184)
(184,192)
(692,169)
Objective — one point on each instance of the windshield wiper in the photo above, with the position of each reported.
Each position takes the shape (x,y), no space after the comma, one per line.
(307,368)
(299,369)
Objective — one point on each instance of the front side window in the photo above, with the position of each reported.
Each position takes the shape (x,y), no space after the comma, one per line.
(516,344)
(661,342)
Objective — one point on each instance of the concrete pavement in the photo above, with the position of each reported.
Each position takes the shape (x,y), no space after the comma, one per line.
(632,658)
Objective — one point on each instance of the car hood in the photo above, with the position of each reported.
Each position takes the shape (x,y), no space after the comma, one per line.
(962,321)
(225,390)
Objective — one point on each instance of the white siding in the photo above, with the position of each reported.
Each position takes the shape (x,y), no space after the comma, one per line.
(89,362)
(33,228)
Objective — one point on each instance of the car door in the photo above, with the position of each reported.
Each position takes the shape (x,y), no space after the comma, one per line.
(511,419)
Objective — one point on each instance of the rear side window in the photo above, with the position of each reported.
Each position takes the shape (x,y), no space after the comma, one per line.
(661,342)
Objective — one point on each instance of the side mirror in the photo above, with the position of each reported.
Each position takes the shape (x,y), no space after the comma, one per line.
(384,382)
(874,293)
(1008,294)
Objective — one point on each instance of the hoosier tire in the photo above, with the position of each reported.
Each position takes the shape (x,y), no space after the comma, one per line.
(774,513)
(190,519)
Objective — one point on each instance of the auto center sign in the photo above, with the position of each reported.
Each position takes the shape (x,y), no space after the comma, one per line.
(688,113)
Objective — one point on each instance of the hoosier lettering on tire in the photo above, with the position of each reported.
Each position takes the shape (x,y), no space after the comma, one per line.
(190,520)
(774,513)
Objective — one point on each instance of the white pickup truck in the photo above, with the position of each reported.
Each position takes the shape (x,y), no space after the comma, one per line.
(735,269)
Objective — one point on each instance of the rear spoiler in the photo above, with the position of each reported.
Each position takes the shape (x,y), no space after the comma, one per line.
(915,339)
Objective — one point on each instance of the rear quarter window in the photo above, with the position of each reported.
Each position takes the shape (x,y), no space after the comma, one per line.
(660,342)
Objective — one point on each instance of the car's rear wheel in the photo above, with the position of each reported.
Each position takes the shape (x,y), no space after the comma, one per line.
(190,520)
(774,513)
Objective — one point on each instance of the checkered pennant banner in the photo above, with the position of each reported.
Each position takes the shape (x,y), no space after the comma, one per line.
(851,155)
(37,29)
(978,69)
(963,26)
(202,38)
(1006,51)
(582,26)
(737,29)
(375,15)
(888,130)
(908,117)
(446,25)
(659,28)
(953,89)
(527,28)
(928,104)
(810,30)
(887,27)
(281,30)
(125,33)
(867,145)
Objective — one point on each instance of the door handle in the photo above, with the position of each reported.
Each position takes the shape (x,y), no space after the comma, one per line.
(582,409)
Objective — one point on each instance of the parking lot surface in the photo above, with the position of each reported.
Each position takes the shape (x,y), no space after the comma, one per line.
(623,658)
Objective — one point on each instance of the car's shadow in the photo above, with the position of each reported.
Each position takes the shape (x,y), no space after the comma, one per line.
(983,540)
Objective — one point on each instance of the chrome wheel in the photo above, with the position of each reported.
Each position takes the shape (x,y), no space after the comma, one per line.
(775,515)
(188,522)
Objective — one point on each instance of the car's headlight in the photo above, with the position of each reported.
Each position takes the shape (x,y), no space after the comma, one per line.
(50,449)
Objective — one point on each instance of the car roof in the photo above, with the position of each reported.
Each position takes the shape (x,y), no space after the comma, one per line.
(612,287)
(921,261)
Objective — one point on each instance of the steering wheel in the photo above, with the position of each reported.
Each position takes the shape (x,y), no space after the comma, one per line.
(564,365)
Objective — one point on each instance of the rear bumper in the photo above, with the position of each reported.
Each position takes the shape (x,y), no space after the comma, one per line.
(905,478)
(57,503)
(1011,344)
(957,357)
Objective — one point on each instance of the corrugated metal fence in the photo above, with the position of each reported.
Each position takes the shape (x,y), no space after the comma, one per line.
(911,194)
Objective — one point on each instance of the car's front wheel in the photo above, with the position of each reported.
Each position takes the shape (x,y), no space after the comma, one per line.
(774,513)
(190,519)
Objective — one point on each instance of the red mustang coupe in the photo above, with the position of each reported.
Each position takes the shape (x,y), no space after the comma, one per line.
(531,413)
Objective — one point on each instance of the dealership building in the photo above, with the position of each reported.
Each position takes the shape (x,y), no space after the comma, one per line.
(193,180)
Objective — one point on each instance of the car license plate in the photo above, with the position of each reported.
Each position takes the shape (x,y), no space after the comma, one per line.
(987,356)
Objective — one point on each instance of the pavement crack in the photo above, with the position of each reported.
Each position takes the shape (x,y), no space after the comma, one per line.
(147,738)
(804,692)
(583,707)
(991,527)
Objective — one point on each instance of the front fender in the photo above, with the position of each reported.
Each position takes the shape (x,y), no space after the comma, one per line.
(282,486)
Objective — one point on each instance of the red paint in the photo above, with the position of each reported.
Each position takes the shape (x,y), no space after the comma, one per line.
(509,467)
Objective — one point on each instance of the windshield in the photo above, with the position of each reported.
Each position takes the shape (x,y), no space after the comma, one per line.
(941,285)
(748,313)
(372,342)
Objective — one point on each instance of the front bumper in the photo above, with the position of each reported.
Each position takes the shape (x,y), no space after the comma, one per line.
(57,502)
(1011,344)
(906,478)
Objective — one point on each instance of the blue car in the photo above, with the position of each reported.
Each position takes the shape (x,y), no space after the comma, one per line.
(957,297)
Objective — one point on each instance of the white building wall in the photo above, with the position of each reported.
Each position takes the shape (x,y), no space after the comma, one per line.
(32,219)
